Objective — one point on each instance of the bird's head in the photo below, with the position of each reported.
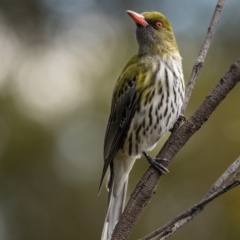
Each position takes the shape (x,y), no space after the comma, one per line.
(154,33)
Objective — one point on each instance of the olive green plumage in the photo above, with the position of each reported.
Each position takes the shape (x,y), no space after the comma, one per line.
(159,40)
(146,102)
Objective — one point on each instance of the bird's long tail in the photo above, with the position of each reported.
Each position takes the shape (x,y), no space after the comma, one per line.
(117,193)
(115,209)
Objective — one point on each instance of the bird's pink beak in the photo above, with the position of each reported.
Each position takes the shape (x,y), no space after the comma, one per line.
(137,18)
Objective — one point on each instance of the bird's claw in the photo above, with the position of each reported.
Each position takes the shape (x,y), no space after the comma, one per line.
(155,162)
(181,119)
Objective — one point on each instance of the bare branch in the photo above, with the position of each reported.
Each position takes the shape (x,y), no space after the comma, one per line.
(198,65)
(228,178)
(233,170)
(189,214)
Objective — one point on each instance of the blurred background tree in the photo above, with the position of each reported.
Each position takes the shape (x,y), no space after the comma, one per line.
(59,61)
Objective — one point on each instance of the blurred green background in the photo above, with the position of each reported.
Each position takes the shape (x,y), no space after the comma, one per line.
(59,61)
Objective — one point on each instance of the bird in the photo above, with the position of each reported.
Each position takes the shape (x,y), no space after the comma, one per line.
(146,103)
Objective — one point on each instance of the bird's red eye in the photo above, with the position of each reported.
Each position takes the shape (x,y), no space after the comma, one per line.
(158,24)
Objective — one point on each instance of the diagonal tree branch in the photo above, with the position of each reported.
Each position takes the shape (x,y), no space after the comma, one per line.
(228,178)
(198,65)
(145,188)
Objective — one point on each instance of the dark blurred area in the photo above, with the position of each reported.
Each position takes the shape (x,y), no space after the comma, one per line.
(59,61)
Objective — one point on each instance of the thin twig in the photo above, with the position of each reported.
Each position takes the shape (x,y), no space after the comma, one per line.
(198,65)
(214,192)
(232,170)
(196,209)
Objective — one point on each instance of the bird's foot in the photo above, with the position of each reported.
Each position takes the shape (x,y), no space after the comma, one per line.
(181,119)
(155,162)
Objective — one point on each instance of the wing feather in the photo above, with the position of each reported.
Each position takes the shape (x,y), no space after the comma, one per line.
(123,107)
(122,111)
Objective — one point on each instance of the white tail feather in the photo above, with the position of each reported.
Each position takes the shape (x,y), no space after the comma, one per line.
(115,209)
(122,165)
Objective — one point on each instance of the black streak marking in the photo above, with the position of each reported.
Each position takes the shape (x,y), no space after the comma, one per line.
(153,79)
(137,138)
(161,102)
(175,95)
(130,145)
(168,119)
(167,84)
(160,89)
(146,99)
(165,112)
(150,115)
(137,133)
(152,95)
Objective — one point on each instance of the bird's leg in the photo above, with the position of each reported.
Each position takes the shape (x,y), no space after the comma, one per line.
(181,119)
(155,162)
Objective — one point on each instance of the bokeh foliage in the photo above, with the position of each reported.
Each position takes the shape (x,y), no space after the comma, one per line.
(59,62)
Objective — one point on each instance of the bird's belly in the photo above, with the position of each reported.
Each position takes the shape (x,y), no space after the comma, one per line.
(149,125)
(158,109)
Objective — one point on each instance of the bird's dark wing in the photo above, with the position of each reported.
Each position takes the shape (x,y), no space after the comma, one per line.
(122,111)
